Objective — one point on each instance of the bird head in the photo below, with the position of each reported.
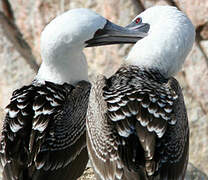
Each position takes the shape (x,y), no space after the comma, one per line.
(170,39)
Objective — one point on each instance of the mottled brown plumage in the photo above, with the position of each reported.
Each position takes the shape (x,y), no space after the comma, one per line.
(137,126)
(44,132)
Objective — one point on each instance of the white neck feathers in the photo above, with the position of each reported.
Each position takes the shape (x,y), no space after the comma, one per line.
(62,43)
(70,68)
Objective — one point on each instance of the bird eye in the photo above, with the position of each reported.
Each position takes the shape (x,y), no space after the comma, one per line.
(138,20)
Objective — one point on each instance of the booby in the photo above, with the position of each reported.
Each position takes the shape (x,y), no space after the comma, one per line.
(137,126)
(44,134)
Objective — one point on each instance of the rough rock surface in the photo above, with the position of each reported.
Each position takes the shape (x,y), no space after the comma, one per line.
(196,10)
(194,174)
(14,71)
(32,16)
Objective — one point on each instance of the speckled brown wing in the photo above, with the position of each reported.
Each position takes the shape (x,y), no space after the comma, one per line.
(137,117)
(102,142)
(173,148)
(44,132)
(140,110)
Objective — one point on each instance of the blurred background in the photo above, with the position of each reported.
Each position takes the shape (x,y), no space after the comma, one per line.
(21,23)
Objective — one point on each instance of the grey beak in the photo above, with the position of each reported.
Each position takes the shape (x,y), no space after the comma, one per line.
(114,34)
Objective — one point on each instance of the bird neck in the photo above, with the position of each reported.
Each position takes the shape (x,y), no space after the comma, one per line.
(69,67)
(151,54)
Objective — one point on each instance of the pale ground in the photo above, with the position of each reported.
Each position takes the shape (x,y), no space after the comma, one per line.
(88,175)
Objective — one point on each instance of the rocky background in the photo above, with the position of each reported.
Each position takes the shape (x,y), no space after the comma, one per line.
(21,22)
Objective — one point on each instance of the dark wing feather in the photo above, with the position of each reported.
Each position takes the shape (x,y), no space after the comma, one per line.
(174,146)
(137,126)
(140,112)
(66,132)
(44,128)
(102,141)
(144,113)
